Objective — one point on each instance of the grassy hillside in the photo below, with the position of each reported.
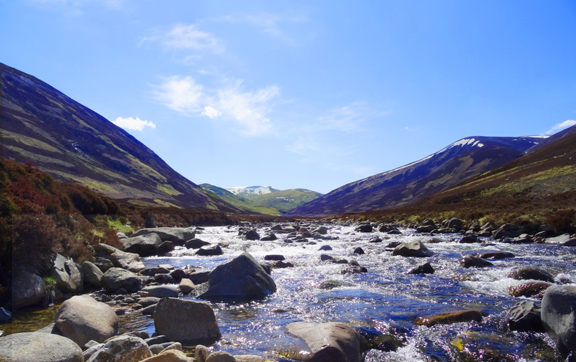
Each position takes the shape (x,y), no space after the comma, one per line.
(274,203)
(539,187)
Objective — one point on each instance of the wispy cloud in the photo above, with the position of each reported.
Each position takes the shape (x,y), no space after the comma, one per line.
(185,37)
(232,102)
(181,94)
(135,124)
(559,126)
(272,25)
(75,7)
(348,118)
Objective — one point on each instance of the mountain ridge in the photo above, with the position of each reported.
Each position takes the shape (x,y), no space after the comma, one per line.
(58,135)
(455,163)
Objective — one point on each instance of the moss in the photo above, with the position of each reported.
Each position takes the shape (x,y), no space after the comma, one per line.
(165,203)
(28,141)
(168,189)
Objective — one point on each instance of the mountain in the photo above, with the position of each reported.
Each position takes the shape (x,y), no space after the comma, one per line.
(265,200)
(251,191)
(460,161)
(44,127)
(538,187)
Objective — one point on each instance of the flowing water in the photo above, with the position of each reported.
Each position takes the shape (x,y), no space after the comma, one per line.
(385,299)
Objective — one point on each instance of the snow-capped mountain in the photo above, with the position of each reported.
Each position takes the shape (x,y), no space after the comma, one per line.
(249,191)
(459,161)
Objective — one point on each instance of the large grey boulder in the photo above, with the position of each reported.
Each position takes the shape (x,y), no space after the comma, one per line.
(334,342)
(178,236)
(39,347)
(82,319)
(92,274)
(27,289)
(125,348)
(186,321)
(412,248)
(117,278)
(143,245)
(68,275)
(243,278)
(121,259)
(559,317)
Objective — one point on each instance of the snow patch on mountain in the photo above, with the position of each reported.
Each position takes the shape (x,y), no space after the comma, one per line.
(251,190)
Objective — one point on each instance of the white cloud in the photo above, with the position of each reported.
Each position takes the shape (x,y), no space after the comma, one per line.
(131,123)
(248,109)
(231,102)
(559,126)
(211,112)
(186,37)
(181,94)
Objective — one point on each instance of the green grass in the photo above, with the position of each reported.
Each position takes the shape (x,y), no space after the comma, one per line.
(116,225)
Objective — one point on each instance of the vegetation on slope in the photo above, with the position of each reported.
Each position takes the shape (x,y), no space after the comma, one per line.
(538,188)
(274,203)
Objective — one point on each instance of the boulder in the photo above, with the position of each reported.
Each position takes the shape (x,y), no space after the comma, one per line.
(5,315)
(186,321)
(469,239)
(211,250)
(280,264)
(118,278)
(529,289)
(471,261)
(103,263)
(325,248)
(220,356)
(243,278)
(359,251)
(161,291)
(525,317)
(413,248)
(186,286)
(322,230)
(496,255)
(455,223)
(425,268)
(250,234)
(165,248)
(143,245)
(28,289)
(147,301)
(121,259)
(274,257)
(507,231)
(559,317)
(269,237)
(92,274)
(177,235)
(334,342)
(39,347)
(67,274)
(82,319)
(451,318)
(364,228)
(125,348)
(196,244)
(170,355)
(570,242)
(531,273)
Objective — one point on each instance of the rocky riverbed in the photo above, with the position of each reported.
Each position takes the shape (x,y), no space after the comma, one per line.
(282,292)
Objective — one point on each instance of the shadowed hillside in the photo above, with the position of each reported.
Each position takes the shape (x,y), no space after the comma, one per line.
(58,135)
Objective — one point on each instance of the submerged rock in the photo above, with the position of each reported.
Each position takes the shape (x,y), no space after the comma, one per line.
(425,268)
(334,342)
(529,289)
(471,261)
(125,348)
(451,318)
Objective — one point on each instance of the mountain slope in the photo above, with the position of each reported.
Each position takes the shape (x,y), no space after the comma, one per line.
(274,202)
(460,161)
(251,191)
(60,136)
(538,187)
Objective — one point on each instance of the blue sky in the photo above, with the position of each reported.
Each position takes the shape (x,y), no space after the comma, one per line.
(302,94)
